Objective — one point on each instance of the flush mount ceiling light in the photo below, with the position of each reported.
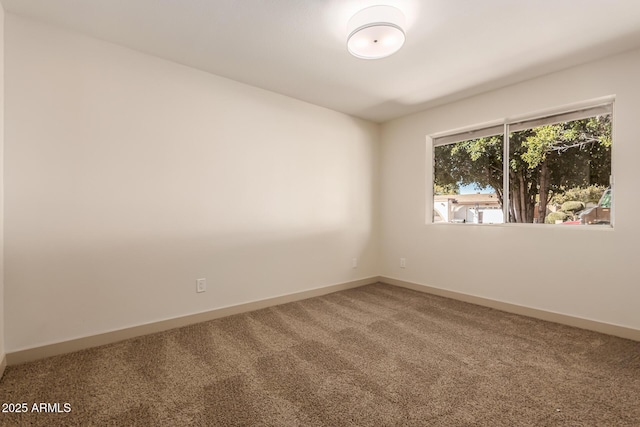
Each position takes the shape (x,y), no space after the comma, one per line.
(375,32)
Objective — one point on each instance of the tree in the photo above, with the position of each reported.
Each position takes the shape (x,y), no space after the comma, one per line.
(543,162)
(476,161)
(560,156)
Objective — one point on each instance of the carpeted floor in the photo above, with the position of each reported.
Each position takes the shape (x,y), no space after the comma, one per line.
(372,356)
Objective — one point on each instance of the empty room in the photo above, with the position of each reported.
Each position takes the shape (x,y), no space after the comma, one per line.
(319,213)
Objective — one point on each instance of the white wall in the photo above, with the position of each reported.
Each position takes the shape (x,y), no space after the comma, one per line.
(584,272)
(2,351)
(128,177)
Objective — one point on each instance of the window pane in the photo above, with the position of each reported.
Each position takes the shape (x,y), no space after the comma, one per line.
(468,181)
(559,173)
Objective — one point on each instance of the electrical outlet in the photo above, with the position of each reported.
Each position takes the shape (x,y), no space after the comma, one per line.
(201,285)
(403,263)
(354,263)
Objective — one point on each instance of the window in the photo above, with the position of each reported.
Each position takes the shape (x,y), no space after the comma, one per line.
(557,171)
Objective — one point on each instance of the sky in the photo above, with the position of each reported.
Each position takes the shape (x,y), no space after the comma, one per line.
(473,189)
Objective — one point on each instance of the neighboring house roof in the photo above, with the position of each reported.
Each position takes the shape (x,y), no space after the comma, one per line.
(470,199)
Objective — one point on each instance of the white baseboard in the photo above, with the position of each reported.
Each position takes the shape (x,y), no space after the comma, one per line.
(578,322)
(42,352)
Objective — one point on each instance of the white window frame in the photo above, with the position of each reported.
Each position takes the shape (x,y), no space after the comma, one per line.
(577,111)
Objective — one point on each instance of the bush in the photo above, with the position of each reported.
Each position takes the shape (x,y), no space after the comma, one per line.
(590,194)
(555,216)
(572,206)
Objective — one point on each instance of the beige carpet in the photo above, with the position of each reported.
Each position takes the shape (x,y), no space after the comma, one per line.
(373,356)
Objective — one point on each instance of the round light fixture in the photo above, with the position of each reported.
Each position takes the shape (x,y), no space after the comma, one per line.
(375,32)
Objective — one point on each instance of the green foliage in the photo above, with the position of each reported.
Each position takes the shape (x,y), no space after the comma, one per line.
(475,161)
(539,143)
(555,216)
(572,206)
(589,194)
(578,153)
(439,190)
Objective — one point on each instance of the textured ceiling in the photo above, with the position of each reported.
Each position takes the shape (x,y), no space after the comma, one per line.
(454,48)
